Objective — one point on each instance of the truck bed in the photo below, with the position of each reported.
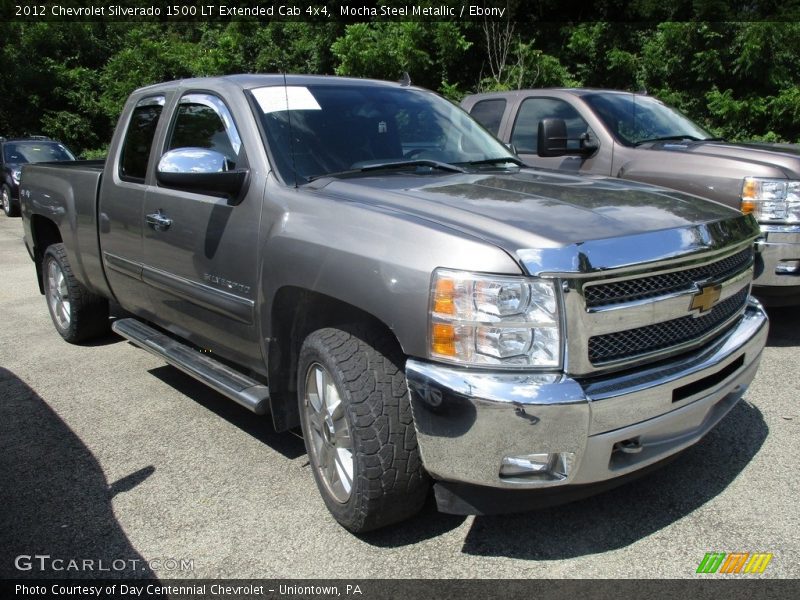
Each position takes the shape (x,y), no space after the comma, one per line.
(66,193)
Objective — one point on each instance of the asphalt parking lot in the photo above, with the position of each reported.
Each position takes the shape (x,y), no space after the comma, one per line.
(106,453)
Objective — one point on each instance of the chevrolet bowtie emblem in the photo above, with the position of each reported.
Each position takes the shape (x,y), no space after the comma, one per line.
(706,298)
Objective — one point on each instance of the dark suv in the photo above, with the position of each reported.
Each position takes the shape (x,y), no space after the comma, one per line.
(17,152)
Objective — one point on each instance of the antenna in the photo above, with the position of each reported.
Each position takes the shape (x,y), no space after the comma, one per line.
(291,132)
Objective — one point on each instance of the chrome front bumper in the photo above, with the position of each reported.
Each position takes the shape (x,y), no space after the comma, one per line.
(779,243)
(469,421)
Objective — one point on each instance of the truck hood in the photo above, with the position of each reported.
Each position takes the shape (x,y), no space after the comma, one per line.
(785,157)
(535,209)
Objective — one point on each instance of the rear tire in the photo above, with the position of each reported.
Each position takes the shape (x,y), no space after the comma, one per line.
(9,207)
(77,313)
(358,429)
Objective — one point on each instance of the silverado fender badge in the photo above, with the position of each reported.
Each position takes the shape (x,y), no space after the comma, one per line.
(706,298)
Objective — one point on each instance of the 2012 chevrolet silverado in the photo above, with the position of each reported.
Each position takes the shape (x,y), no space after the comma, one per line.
(363,259)
(638,137)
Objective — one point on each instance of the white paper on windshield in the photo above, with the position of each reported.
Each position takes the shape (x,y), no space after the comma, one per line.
(278,97)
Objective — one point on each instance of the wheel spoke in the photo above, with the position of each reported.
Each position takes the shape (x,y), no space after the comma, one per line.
(315,421)
(333,472)
(58,295)
(334,404)
(51,277)
(344,469)
(315,433)
(319,380)
(341,434)
(327,462)
(313,393)
(64,306)
(324,455)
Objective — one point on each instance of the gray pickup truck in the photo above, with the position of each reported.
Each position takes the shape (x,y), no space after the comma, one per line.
(364,260)
(638,137)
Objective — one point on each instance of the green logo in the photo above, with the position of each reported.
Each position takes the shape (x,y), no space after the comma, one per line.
(734,562)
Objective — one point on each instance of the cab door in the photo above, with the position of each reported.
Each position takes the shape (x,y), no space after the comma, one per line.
(525,136)
(201,248)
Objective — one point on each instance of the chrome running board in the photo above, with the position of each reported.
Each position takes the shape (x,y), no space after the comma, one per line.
(251,394)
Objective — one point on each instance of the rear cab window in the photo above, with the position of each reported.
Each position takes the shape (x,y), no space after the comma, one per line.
(489,113)
(138,142)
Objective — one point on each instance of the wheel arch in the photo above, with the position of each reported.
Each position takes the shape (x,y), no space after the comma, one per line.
(297,312)
(44,233)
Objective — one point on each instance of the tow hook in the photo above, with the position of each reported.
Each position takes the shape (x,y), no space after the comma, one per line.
(631,446)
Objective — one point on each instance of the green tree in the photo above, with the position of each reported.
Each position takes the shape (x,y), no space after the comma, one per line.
(738,79)
(49,83)
(384,50)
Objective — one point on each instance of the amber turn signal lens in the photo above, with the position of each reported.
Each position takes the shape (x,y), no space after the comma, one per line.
(443,339)
(749,189)
(748,206)
(444,297)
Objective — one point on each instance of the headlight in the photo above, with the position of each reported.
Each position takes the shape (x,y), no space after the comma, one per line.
(771,200)
(15,175)
(494,320)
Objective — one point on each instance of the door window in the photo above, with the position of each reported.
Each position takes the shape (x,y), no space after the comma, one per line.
(525,135)
(203,121)
(139,139)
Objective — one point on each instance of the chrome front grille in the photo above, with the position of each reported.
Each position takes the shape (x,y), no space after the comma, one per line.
(642,288)
(649,296)
(646,316)
(652,338)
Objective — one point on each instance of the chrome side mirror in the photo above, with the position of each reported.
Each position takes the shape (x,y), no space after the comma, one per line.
(203,171)
(193,160)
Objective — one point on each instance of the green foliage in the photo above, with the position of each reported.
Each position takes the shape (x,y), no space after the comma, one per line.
(452,92)
(384,50)
(530,68)
(784,113)
(740,80)
(293,48)
(737,79)
(148,55)
(606,54)
(49,80)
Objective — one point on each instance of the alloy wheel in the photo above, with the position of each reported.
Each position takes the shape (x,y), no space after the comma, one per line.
(331,442)
(58,294)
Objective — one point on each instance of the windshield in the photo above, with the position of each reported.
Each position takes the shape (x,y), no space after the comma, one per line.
(332,129)
(34,152)
(634,119)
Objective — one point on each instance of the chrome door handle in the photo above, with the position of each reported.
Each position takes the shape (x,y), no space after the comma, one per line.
(158,221)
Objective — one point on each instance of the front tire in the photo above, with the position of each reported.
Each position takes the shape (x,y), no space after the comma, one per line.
(357,425)
(77,313)
(11,209)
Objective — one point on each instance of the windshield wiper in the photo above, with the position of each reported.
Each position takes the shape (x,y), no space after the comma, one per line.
(496,161)
(390,165)
(668,138)
(421,162)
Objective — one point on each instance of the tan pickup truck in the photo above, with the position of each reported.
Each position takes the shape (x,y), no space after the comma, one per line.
(638,137)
